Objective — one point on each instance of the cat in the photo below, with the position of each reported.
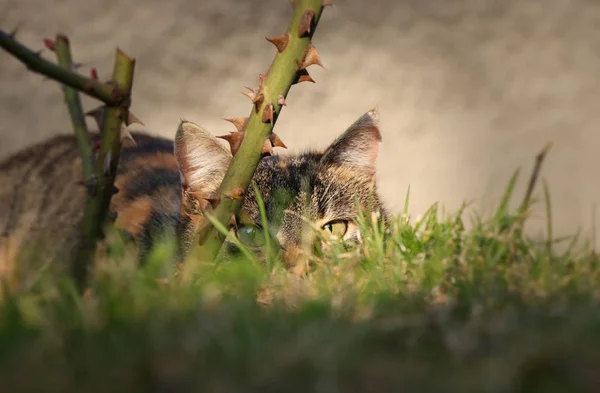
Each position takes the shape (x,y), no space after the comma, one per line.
(41,200)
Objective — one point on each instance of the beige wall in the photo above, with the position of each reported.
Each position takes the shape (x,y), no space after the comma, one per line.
(468,89)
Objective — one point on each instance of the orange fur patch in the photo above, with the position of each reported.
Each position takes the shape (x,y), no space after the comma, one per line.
(133,216)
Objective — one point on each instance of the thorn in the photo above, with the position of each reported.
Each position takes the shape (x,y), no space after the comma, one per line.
(305,23)
(235,140)
(98,115)
(131,118)
(258,101)
(212,198)
(50,44)
(303,76)
(235,194)
(94,73)
(112,216)
(267,116)
(14,31)
(262,81)
(233,222)
(280,41)
(267,148)
(115,190)
(256,97)
(97,144)
(281,100)
(238,122)
(253,95)
(39,53)
(311,56)
(126,134)
(276,141)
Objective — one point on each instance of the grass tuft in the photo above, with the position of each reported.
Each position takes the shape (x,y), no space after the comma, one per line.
(423,306)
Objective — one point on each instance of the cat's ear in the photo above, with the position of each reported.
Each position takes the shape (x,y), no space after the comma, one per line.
(358,146)
(202,160)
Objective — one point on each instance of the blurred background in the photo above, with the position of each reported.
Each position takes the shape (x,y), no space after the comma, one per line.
(469,90)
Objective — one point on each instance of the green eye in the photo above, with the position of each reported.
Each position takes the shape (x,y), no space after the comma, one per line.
(251,236)
(337,228)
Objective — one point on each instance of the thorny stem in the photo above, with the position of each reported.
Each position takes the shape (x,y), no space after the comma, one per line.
(282,74)
(111,95)
(63,54)
(99,181)
(107,161)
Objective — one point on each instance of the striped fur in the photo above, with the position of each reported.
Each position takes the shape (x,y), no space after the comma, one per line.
(159,182)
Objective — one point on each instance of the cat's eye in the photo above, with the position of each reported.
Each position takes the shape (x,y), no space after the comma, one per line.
(251,235)
(337,228)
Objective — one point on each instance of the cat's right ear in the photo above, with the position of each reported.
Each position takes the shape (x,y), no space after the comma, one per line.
(358,146)
(201,159)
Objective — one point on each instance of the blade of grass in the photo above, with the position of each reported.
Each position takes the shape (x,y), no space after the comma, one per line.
(548,204)
(503,206)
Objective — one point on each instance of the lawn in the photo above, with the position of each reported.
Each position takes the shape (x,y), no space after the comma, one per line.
(424,306)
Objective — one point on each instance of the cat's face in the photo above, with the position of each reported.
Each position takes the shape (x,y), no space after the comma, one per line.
(303,194)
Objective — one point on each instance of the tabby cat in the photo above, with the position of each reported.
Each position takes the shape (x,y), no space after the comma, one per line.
(41,199)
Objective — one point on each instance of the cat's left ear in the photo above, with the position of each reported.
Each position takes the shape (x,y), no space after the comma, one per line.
(358,146)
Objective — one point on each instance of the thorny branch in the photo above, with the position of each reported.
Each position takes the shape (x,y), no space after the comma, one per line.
(253,139)
(99,173)
(101,189)
(255,136)
(109,94)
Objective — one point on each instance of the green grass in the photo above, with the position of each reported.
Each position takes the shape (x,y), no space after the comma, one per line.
(425,306)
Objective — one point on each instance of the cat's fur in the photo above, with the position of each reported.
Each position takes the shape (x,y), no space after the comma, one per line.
(41,202)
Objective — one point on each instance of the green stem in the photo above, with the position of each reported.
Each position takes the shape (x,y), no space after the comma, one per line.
(63,54)
(281,76)
(109,94)
(97,206)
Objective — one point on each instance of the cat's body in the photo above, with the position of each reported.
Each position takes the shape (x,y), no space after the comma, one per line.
(159,181)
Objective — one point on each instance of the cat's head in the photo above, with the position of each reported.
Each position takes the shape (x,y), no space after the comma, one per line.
(301,192)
